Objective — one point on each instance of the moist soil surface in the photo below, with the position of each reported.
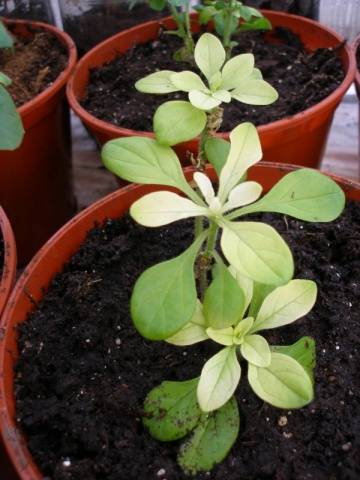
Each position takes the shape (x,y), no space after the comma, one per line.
(302,80)
(34,66)
(104,20)
(84,371)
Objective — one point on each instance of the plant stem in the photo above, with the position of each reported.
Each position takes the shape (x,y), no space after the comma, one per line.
(213,123)
(199,226)
(190,40)
(227,29)
(205,258)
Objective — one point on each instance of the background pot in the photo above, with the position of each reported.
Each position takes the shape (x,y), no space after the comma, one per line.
(8,269)
(357,73)
(35,180)
(42,269)
(299,139)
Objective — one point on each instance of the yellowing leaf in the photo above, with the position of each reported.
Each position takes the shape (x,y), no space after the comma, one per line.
(219,378)
(245,151)
(243,194)
(283,384)
(255,92)
(257,251)
(158,82)
(246,285)
(161,208)
(187,80)
(205,186)
(192,332)
(224,336)
(286,304)
(236,70)
(203,100)
(209,55)
(255,349)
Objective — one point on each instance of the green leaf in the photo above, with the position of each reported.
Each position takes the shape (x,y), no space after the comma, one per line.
(286,304)
(218,380)
(246,285)
(11,128)
(212,439)
(161,208)
(259,293)
(257,251)
(178,121)
(284,384)
(255,92)
(303,351)
(305,194)
(256,24)
(6,39)
(187,81)
(255,349)
(205,14)
(236,70)
(224,300)
(245,151)
(217,151)
(144,160)
(157,5)
(171,410)
(5,80)
(242,329)
(164,296)
(192,332)
(209,55)
(158,82)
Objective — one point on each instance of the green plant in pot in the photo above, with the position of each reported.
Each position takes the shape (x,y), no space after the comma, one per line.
(231,285)
(11,128)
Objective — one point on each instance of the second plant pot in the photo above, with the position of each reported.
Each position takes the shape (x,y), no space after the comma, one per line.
(7,259)
(300,139)
(36,179)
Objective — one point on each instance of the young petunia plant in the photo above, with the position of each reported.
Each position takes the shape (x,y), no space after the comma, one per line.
(236,79)
(251,266)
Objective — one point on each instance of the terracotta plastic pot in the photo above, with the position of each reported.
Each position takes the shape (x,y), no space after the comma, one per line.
(8,269)
(35,180)
(50,260)
(299,139)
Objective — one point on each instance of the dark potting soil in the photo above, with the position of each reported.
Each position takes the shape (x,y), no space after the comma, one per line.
(104,20)
(34,66)
(301,78)
(84,372)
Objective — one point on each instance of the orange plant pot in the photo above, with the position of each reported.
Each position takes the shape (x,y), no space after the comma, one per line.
(35,180)
(50,260)
(8,269)
(299,139)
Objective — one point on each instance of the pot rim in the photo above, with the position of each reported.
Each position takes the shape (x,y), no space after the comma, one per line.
(14,440)
(63,77)
(284,123)
(8,274)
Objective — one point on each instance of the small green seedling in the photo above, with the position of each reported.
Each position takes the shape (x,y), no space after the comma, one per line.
(252,267)
(180,11)
(6,39)
(231,17)
(236,79)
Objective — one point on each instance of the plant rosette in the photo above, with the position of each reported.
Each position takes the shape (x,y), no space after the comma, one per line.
(300,138)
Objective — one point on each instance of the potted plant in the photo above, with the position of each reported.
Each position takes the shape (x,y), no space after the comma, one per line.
(36,189)
(90,366)
(299,138)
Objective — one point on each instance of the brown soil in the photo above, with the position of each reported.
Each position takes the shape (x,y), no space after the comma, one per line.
(104,20)
(302,79)
(84,371)
(34,66)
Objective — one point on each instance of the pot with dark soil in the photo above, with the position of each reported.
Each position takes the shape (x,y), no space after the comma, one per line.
(89,23)
(36,189)
(7,259)
(82,370)
(307,63)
